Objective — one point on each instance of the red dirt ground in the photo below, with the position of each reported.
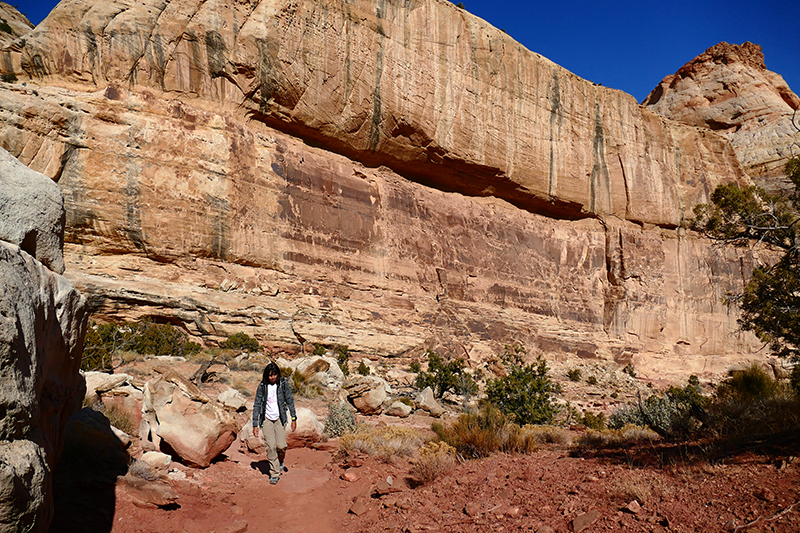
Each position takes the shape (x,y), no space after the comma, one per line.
(677,488)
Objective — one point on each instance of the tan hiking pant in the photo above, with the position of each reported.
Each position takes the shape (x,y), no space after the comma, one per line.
(274,434)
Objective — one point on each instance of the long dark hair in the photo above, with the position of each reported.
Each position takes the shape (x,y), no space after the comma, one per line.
(271,368)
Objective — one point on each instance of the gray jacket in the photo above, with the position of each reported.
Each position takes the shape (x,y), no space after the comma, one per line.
(285,399)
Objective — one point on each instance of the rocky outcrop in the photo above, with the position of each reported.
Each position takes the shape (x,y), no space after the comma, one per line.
(728,89)
(43,322)
(366,393)
(13,24)
(387,179)
(179,418)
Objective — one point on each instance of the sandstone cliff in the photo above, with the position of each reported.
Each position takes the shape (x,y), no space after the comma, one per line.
(387,176)
(13,24)
(728,89)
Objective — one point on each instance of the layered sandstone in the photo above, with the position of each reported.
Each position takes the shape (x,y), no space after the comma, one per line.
(728,89)
(429,90)
(389,179)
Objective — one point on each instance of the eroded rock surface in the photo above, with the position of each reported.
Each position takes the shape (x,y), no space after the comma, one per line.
(43,322)
(177,417)
(13,24)
(386,179)
(728,89)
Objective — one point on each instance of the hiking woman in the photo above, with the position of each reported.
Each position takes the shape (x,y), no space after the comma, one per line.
(273,396)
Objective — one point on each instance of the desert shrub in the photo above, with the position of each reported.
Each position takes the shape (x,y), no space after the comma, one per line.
(444,376)
(415,367)
(481,433)
(406,400)
(240,341)
(8,77)
(628,435)
(594,420)
(525,392)
(751,403)
(5,27)
(676,413)
(340,420)
(574,374)
(591,380)
(96,354)
(363,369)
(630,370)
(319,349)
(546,434)
(151,338)
(119,418)
(301,386)
(435,459)
(750,384)
(143,470)
(343,359)
(383,442)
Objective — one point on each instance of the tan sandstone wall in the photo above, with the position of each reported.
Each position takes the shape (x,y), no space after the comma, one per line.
(389,180)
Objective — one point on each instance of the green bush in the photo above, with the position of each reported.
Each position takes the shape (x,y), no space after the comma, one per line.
(343,359)
(594,420)
(444,376)
(340,420)
(319,349)
(96,353)
(5,27)
(8,77)
(574,374)
(143,337)
(479,434)
(240,341)
(363,369)
(591,380)
(526,391)
(676,413)
(629,370)
(750,384)
(415,367)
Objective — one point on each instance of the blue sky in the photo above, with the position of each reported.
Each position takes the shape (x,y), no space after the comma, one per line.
(624,44)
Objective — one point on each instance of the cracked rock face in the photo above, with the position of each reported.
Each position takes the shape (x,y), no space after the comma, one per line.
(389,179)
(728,89)
(42,327)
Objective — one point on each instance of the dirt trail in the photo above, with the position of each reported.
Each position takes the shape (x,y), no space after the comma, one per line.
(234,493)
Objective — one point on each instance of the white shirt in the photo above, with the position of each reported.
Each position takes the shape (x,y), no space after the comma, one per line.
(271,408)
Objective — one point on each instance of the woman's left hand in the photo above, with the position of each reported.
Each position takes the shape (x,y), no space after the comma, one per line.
(294,425)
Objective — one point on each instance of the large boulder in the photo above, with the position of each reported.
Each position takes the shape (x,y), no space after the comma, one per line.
(32,214)
(367,393)
(321,370)
(309,430)
(426,401)
(177,417)
(43,322)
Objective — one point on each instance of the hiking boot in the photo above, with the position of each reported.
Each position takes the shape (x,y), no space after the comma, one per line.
(283,468)
(274,480)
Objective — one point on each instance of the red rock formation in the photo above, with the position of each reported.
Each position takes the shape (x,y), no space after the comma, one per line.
(387,179)
(729,90)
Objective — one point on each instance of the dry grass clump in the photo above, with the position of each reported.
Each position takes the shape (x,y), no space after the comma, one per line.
(479,434)
(143,470)
(627,436)
(119,418)
(548,434)
(436,458)
(383,442)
